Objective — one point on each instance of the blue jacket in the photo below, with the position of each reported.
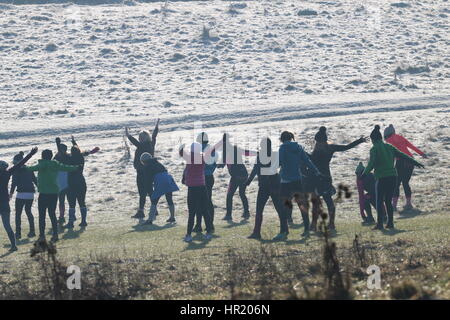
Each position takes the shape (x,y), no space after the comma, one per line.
(292,157)
(210,168)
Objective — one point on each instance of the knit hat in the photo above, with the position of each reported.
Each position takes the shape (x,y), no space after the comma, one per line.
(360,169)
(321,135)
(3,165)
(389,131)
(146,158)
(18,157)
(202,137)
(376,134)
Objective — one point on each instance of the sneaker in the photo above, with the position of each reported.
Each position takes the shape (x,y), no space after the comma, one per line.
(31,234)
(378,227)
(61,221)
(280,237)
(139,215)
(83,224)
(246,216)
(187,238)
(305,234)
(18,236)
(54,238)
(290,221)
(408,207)
(227,218)
(207,236)
(69,225)
(254,236)
(147,222)
(197,229)
(390,226)
(13,249)
(171,220)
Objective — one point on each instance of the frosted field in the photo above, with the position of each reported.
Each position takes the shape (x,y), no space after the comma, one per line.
(245,67)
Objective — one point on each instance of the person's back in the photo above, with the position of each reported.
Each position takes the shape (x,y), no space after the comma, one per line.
(290,158)
(23,180)
(383,159)
(47,175)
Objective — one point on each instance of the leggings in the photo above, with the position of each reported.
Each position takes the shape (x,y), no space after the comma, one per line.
(235,183)
(385,190)
(198,205)
(62,195)
(47,202)
(405,171)
(20,205)
(75,195)
(169,199)
(5,212)
(209,186)
(264,192)
(302,200)
(143,188)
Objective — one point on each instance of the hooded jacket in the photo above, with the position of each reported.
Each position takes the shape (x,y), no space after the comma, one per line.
(292,157)
(382,159)
(47,174)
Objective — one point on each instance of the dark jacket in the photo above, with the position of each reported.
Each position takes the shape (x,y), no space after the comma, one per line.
(292,157)
(321,157)
(148,146)
(151,169)
(5,176)
(24,181)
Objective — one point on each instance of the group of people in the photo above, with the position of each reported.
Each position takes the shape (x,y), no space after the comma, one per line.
(288,175)
(59,177)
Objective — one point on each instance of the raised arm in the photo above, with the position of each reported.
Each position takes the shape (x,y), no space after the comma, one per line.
(131,138)
(405,157)
(155,131)
(73,141)
(338,147)
(24,160)
(58,144)
(413,147)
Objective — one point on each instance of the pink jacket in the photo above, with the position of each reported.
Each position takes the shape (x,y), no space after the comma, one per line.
(403,144)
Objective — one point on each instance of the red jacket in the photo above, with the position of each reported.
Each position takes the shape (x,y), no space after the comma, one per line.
(403,144)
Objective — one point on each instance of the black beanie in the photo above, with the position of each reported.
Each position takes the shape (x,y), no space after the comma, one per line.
(376,134)
(321,135)
(18,157)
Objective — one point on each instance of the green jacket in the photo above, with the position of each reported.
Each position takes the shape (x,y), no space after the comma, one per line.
(48,173)
(382,159)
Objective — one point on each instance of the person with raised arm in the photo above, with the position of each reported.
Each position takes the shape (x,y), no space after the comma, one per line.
(404,168)
(194,179)
(5,209)
(266,168)
(321,157)
(233,159)
(48,190)
(145,143)
(24,182)
(382,161)
(203,139)
(77,184)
